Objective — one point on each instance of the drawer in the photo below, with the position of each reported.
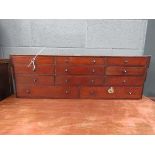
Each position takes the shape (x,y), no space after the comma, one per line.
(79,80)
(80,60)
(111,92)
(115,70)
(27,59)
(124,80)
(79,70)
(35,80)
(40,69)
(47,92)
(128,61)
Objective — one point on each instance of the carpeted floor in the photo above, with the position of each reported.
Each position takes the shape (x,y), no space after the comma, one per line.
(71,116)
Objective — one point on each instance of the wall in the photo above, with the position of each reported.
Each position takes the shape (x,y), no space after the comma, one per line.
(74,37)
(150,50)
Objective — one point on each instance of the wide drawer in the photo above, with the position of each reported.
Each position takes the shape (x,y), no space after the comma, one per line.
(115,70)
(47,91)
(35,80)
(111,92)
(128,61)
(124,80)
(80,60)
(40,69)
(79,80)
(27,59)
(79,70)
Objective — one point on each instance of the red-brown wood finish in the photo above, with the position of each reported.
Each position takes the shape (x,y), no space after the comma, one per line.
(95,77)
(5,79)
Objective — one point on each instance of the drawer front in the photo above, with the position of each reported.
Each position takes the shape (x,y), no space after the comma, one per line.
(111,92)
(128,61)
(40,69)
(79,70)
(80,60)
(115,70)
(35,80)
(124,80)
(47,92)
(79,80)
(27,59)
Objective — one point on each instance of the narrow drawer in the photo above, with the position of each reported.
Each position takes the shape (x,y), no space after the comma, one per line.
(27,59)
(80,60)
(124,80)
(79,70)
(111,92)
(40,69)
(47,92)
(115,70)
(79,80)
(35,80)
(128,61)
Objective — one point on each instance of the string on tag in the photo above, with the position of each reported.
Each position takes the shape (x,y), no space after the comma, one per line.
(32,62)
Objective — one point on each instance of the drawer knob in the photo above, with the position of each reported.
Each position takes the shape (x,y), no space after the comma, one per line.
(130,93)
(93,70)
(28,91)
(111,90)
(66,70)
(126,61)
(66,81)
(66,60)
(67,91)
(94,61)
(35,80)
(92,92)
(124,71)
(124,81)
(92,81)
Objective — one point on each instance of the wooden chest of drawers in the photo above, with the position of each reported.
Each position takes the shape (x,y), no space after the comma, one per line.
(5,79)
(95,77)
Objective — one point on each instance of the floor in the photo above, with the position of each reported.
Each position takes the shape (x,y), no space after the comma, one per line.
(63,116)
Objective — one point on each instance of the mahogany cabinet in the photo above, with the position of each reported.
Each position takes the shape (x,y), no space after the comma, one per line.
(94,77)
(5,79)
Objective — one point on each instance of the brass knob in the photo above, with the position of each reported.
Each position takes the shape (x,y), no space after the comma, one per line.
(28,91)
(93,70)
(111,90)
(66,70)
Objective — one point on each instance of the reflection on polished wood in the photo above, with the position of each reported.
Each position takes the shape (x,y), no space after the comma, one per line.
(73,116)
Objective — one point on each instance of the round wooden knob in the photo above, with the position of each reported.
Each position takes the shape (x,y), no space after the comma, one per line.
(34,80)
(67,91)
(28,91)
(93,70)
(66,81)
(66,70)
(124,71)
(94,61)
(92,81)
(124,81)
(111,90)
(130,93)
(92,92)
(126,61)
